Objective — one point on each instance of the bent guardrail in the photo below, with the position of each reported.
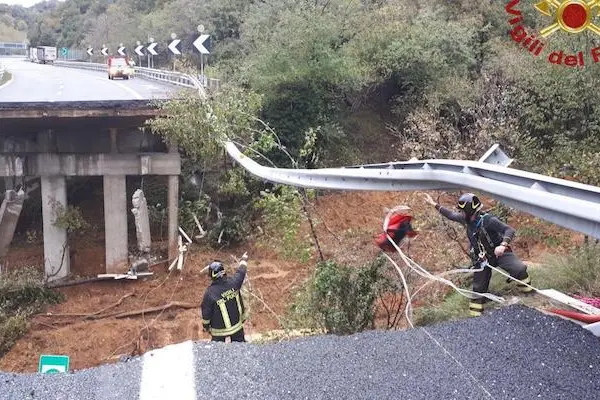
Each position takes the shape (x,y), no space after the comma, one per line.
(569,204)
(170,77)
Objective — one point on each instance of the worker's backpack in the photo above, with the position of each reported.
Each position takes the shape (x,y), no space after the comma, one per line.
(399,227)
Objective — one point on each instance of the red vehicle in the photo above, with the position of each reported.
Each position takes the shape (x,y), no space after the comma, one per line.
(121,67)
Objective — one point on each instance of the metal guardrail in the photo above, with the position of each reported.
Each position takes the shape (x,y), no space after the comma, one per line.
(170,77)
(569,204)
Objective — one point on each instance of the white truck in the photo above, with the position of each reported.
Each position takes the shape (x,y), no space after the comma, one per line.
(46,54)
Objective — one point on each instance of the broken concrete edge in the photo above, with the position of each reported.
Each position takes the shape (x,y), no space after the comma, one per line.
(24,107)
(10,210)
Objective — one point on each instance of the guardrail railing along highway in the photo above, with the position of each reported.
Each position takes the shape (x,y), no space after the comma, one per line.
(171,77)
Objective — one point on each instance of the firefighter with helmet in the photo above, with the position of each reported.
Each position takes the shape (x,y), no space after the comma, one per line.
(489,240)
(222,308)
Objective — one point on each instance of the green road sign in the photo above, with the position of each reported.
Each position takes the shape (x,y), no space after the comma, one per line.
(50,364)
(64,51)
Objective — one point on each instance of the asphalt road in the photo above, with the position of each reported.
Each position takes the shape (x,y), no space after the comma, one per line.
(39,83)
(514,353)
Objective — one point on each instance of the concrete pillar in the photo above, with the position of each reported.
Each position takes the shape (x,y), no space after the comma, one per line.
(113,140)
(115,224)
(46,142)
(142,221)
(9,183)
(9,216)
(173,214)
(57,263)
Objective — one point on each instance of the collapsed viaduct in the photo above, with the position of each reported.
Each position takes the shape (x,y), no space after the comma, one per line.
(55,140)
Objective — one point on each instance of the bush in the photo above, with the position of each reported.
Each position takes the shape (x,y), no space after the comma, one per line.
(22,293)
(341,299)
(229,231)
(11,329)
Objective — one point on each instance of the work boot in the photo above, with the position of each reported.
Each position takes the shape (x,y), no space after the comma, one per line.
(475,309)
(525,289)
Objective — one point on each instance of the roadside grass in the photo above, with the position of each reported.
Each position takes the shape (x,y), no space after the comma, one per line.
(456,306)
(5,78)
(22,294)
(575,273)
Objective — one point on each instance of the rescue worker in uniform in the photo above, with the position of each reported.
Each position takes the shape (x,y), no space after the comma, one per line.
(222,308)
(489,240)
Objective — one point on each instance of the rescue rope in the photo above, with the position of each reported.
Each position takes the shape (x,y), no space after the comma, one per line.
(410,263)
(426,274)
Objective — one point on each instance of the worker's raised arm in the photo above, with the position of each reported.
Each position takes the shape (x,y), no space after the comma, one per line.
(451,215)
(240,274)
(446,212)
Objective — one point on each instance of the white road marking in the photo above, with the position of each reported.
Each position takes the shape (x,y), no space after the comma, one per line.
(168,373)
(130,90)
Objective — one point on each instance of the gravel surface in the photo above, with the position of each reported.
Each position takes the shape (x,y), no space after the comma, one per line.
(111,382)
(511,353)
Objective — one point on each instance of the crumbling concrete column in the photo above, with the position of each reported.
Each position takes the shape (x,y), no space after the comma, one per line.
(142,221)
(57,263)
(173,209)
(173,214)
(9,216)
(115,224)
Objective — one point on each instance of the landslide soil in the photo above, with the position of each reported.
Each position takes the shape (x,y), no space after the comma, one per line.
(346,223)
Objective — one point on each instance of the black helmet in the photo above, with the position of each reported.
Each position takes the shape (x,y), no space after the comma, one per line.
(469,203)
(216,270)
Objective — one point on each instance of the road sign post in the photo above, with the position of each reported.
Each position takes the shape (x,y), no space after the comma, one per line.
(138,51)
(199,44)
(53,364)
(151,51)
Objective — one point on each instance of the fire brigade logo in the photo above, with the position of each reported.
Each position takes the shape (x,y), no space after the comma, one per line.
(568,16)
(572,16)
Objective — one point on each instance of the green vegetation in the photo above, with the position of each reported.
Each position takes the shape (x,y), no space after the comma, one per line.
(14,22)
(22,294)
(437,78)
(5,77)
(577,272)
(342,299)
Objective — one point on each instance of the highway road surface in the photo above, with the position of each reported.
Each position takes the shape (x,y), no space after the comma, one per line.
(513,353)
(33,82)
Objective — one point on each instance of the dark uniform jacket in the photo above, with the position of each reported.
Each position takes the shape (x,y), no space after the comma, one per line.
(222,307)
(485,233)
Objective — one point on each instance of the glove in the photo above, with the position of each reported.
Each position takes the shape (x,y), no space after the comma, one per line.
(245,256)
(206,327)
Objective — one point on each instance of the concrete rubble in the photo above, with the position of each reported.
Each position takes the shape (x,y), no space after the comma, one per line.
(142,221)
(9,216)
